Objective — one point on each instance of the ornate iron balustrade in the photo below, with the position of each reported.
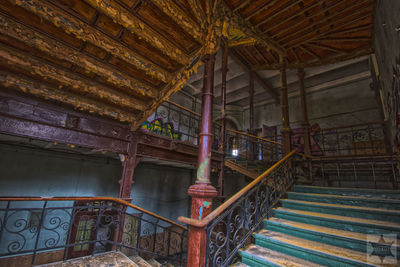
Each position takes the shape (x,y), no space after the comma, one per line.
(378,172)
(74,227)
(230,226)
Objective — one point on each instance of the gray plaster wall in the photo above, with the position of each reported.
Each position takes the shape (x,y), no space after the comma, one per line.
(32,172)
(387,49)
(348,104)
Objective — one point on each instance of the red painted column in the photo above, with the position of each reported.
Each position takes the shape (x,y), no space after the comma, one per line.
(222,147)
(285,108)
(202,192)
(129,165)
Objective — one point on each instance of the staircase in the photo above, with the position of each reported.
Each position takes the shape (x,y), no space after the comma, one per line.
(249,168)
(321,226)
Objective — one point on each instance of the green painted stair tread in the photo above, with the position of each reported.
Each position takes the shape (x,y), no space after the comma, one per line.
(140,261)
(352,200)
(346,210)
(316,250)
(383,193)
(266,257)
(328,235)
(352,222)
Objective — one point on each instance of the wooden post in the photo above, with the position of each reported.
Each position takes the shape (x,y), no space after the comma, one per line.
(222,141)
(251,114)
(129,164)
(304,124)
(285,107)
(202,192)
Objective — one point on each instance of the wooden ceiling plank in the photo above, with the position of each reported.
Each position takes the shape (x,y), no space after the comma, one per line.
(345,39)
(358,16)
(290,18)
(247,28)
(87,33)
(128,20)
(236,57)
(242,5)
(56,49)
(198,11)
(325,47)
(262,8)
(26,85)
(296,24)
(30,64)
(295,54)
(261,53)
(343,14)
(362,51)
(278,12)
(170,8)
(351,30)
(308,51)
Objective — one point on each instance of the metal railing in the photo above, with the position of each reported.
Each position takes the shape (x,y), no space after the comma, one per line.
(252,148)
(177,122)
(359,139)
(230,226)
(377,172)
(80,226)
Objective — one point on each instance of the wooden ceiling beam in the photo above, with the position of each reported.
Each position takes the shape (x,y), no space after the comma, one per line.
(126,19)
(308,51)
(351,30)
(170,8)
(261,9)
(198,11)
(326,21)
(242,5)
(87,33)
(358,16)
(26,85)
(56,49)
(345,39)
(246,27)
(295,24)
(325,47)
(323,61)
(257,77)
(278,12)
(65,79)
(290,18)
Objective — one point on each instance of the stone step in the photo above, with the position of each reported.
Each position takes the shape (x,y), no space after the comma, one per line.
(316,252)
(346,223)
(140,261)
(259,256)
(343,210)
(383,203)
(375,193)
(106,259)
(346,239)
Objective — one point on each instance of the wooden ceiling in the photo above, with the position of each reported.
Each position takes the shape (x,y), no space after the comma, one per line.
(306,32)
(123,58)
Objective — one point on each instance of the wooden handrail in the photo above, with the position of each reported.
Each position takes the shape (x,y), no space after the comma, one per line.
(203,223)
(230,130)
(123,202)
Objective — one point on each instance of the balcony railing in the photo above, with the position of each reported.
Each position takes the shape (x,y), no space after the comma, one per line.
(38,229)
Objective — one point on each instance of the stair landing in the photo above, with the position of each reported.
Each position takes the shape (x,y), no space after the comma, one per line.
(107,259)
